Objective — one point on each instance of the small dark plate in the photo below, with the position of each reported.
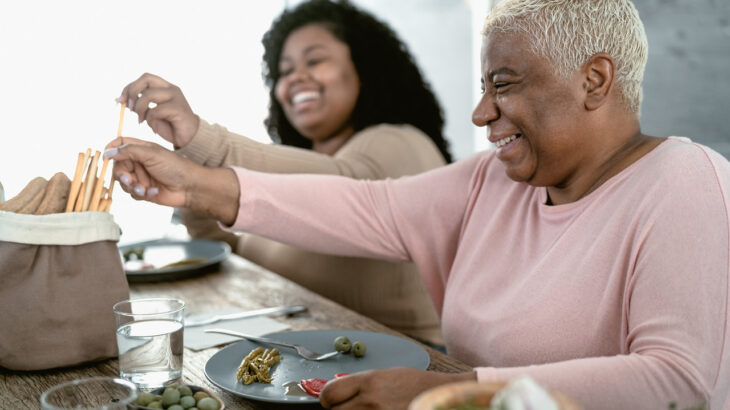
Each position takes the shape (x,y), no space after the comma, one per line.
(163,252)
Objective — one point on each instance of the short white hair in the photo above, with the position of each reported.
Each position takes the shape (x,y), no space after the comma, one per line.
(569,32)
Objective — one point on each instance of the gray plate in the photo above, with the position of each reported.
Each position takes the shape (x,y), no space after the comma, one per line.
(162,252)
(383,351)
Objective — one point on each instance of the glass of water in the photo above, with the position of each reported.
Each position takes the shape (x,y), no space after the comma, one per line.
(101,393)
(150,341)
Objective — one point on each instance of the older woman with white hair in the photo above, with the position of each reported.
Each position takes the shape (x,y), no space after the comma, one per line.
(580,251)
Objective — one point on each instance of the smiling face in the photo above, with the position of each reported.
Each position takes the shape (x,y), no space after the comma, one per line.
(318,86)
(532,115)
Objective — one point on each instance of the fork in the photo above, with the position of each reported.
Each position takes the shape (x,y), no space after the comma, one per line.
(303,351)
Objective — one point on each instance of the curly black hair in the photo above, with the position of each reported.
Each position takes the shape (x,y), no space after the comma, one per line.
(392,88)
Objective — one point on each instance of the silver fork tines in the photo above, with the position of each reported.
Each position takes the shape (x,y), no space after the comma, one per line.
(301,350)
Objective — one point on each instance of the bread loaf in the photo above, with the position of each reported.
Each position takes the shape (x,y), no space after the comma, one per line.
(25,199)
(56,195)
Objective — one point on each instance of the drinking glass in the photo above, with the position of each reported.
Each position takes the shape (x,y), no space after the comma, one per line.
(150,341)
(98,393)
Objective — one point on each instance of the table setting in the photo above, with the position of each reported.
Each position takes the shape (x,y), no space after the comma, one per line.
(170,323)
(238,296)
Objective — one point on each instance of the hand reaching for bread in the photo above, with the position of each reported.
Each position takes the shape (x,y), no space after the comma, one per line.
(59,194)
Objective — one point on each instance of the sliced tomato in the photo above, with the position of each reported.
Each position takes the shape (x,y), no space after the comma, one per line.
(338,375)
(313,386)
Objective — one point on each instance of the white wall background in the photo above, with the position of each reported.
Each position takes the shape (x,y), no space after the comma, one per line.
(63,63)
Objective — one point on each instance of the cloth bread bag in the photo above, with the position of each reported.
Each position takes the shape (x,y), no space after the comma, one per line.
(60,275)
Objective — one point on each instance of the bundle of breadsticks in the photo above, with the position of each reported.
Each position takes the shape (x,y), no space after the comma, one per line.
(59,194)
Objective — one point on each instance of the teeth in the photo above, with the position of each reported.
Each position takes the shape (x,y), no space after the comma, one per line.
(505,141)
(304,96)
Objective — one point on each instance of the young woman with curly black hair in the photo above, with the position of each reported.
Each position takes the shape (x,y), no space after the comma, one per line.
(346,98)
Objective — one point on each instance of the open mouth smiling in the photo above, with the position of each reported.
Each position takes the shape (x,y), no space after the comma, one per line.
(507,140)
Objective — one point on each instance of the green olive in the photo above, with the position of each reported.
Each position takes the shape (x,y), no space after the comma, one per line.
(200,395)
(208,403)
(145,398)
(170,396)
(187,402)
(359,349)
(342,344)
(155,405)
(185,391)
(175,407)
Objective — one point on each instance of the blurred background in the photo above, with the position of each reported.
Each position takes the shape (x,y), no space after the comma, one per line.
(63,63)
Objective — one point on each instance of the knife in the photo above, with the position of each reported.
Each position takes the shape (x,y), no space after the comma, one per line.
(249,313)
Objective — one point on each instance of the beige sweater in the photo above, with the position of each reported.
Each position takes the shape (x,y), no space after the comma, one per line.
(389,292)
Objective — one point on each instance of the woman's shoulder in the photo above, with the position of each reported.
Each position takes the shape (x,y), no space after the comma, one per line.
(394,143)
(388,131)
(690,170)
(681,155)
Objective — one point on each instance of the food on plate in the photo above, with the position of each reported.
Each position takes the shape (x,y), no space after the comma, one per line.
(256,366)
(176,397)
(313,386)
(134,260)
(60,194)
(358,349)
(342,344)
(184,262)
(134,253)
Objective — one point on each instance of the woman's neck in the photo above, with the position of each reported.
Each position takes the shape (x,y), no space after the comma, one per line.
(608,161)
(332,144)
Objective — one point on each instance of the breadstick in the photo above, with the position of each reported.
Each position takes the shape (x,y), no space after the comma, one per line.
(104,205)
(90,181)
(76,183)
(121,120)
(94,205)
(80,198)
(79,201)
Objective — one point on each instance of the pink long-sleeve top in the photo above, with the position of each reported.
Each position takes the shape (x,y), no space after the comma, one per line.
(619,299)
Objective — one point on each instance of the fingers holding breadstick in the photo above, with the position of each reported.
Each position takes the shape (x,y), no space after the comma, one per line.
(119,141)
(150,172)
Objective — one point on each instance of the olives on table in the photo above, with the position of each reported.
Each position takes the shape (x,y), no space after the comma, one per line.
(178,398)
(358,349)
(170,396)
(145,398)
(208,403)
(342,344)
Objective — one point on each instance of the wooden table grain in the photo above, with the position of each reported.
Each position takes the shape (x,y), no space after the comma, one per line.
(238,283)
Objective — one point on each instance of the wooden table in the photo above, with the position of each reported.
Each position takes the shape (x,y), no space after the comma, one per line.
(238,283)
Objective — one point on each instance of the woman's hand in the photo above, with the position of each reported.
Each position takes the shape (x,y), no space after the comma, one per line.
(171,118)
(383,389)
(152,173)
